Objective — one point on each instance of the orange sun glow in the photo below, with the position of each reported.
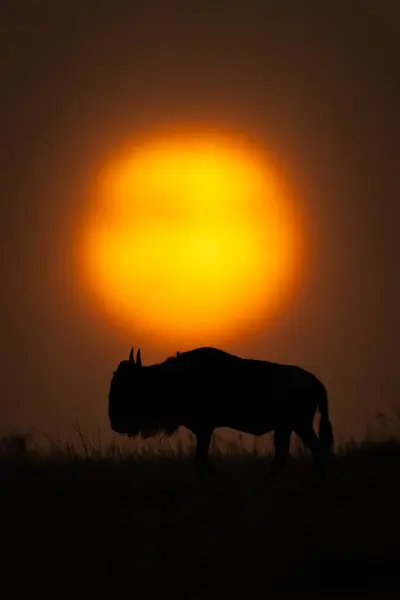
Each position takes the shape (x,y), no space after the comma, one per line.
(190,240)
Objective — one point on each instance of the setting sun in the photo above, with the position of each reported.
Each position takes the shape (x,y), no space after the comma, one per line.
(189,239)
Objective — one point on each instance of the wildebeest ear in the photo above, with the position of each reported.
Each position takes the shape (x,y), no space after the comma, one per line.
(138,359)
(131,359)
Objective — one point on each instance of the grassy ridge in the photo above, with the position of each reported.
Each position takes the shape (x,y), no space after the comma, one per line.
(110,521)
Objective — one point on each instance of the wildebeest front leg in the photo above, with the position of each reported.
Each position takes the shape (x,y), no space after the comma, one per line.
(202,447)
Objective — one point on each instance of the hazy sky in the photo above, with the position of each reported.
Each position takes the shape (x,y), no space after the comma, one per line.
(317,82)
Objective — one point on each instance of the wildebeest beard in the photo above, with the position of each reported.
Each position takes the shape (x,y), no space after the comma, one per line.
(153,427)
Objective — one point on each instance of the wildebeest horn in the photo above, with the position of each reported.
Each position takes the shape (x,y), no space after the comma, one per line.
(131,356)
(138,358)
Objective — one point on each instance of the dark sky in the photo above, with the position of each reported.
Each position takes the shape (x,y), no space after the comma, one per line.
(317,82)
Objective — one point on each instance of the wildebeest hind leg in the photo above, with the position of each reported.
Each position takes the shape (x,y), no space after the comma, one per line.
(281,455)
(310,439)
(201,461)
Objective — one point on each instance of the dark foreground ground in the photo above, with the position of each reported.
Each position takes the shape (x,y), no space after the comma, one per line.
(110,526)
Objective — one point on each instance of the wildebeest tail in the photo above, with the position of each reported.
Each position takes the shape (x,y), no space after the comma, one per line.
(325,426)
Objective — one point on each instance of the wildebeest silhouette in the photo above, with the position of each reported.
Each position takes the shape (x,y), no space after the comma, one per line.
(206,388)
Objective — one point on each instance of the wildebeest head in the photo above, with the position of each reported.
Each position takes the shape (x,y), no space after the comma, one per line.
(134,405)
(121,397)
